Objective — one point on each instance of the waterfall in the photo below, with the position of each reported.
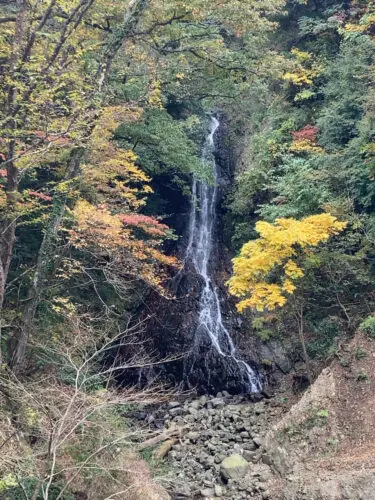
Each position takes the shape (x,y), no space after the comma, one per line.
(199,254)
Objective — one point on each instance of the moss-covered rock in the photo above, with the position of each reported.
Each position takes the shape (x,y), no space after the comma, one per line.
(234,466)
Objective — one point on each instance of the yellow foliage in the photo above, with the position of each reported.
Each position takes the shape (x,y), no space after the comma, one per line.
(292,270)
(263,296)
(305,146)
(111,170)
(300,54)
(365,24)
(289,286)
(111,227)
(51,84)
(7,482)
(102,231)
(306,69)
(155,99)
(96,224)
(277,249)
(299,77)
(32,416)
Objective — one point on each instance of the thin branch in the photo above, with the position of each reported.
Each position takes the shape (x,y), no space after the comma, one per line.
(159,24)
(8,20)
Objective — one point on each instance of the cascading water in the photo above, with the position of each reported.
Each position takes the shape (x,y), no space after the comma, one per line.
(199,254)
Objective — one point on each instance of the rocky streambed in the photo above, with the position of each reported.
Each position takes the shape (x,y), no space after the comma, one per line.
(314,445)
(216,451)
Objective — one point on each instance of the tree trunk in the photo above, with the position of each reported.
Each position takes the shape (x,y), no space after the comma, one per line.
(45,256)
(8,223)
(299,316)
(7,239)
(132,16)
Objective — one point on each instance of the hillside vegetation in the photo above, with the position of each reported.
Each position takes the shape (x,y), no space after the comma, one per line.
(308,149)
(104,109)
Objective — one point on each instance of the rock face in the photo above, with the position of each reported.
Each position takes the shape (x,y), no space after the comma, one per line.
(323,448)
(174,332)
(171,332)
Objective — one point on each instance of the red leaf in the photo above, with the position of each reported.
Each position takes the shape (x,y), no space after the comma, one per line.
(308,132)
(41,196)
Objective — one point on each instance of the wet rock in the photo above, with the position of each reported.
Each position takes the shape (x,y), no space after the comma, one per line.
(276,353)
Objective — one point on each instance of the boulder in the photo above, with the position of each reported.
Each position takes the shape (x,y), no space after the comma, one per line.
(234,467)
(207,493)
(202,401)
(173,404)
(277,459)
(176,411)
(258,441)
(218,490)
(217,402)
(195,405)
(193,436)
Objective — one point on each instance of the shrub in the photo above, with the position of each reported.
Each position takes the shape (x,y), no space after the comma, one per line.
(362,376)
(360,353)
(368,327)
(325,334)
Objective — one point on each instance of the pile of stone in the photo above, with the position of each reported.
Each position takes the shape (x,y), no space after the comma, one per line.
(219,454)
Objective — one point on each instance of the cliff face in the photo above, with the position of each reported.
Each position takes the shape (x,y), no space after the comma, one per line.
(171,329)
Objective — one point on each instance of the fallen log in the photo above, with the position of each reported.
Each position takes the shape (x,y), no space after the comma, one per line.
(174,432)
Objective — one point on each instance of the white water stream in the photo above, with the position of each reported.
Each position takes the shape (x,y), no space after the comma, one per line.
(199,253)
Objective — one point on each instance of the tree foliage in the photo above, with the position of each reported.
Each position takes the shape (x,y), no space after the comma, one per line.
(309,150)
(267,269)
(103,106)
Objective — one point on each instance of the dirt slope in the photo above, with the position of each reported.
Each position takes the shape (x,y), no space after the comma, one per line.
(324,448)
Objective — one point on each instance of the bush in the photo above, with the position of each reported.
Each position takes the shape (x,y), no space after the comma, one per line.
(360,353)
(325,333)
(368,327)
(362,376)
